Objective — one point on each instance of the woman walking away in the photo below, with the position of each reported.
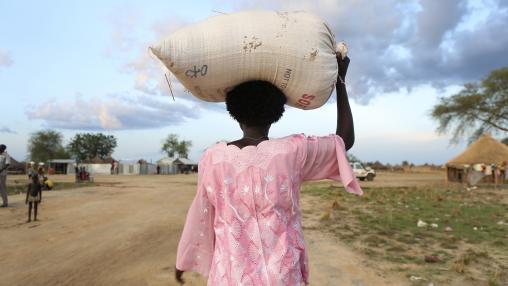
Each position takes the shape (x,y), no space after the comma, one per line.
(244,225)
(33,197)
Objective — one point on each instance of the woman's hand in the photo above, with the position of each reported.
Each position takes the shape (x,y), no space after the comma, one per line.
(178,276)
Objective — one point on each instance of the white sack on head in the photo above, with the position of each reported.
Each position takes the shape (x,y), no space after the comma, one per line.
(296,51)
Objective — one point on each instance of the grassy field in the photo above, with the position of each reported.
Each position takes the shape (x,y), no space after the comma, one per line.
(465,237)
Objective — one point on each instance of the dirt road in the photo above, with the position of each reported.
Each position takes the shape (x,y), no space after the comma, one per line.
(125,230)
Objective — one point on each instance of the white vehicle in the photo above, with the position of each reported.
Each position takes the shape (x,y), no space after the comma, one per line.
(363,173)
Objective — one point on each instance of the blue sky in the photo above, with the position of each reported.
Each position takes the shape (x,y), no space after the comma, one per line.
(80,66)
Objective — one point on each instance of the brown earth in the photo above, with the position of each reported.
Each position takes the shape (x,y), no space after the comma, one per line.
(125,230)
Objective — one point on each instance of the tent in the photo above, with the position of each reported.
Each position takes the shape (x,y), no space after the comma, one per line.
(166,165)
(484,152)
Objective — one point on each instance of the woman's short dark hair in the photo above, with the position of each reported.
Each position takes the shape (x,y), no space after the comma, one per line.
(255,103)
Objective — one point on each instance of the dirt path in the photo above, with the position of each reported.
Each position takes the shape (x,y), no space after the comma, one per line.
(331,261)
(125,232)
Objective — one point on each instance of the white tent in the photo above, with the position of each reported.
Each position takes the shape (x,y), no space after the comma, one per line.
(167,165)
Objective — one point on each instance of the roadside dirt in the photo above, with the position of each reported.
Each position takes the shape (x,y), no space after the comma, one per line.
(125,230)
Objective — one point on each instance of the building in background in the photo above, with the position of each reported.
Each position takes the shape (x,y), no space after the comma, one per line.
(16,167)
(139,167)
(98,166)
(485,156)
(166,166)
(61,166)
(147,168)
(184,165)
(177,165)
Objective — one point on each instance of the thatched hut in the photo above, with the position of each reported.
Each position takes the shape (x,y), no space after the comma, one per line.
(16,167)
(485,151)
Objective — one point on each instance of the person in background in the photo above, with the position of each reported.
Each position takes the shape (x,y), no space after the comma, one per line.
(41,174)
(5,161)
(33,197)
(30,171)
(504,167)
(76,173)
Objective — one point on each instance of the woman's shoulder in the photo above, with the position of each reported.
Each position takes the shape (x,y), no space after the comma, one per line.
(213,149)
(272,146)
(224,145)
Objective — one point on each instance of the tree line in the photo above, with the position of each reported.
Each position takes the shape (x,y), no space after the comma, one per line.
(48,144)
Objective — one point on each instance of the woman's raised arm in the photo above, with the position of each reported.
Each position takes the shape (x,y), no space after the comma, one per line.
(345,127)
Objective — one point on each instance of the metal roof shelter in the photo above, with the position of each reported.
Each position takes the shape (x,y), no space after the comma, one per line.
(62,166)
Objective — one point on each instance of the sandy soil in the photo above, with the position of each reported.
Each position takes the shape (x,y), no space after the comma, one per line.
(125,230)
(401,179)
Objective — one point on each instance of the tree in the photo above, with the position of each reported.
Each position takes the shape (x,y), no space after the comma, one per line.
(476,109)
(352,158)
(172,146)
(86,146)
(45,145)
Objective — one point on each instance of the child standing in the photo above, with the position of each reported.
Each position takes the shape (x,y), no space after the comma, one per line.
(33,197)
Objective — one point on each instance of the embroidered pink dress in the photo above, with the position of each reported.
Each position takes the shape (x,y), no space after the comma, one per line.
(244,225)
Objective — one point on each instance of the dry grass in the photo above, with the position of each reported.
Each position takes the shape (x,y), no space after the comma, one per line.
(469,242)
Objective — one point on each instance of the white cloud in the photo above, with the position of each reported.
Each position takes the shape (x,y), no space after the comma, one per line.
(115,112)
(143,108)
(149,71)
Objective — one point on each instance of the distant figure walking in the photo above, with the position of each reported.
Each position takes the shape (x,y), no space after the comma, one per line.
(5,161)
(504,167)
(30,171)
(33,197)
(41,174)
(77,173)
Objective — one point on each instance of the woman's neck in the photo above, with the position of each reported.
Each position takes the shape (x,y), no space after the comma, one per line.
(252,136)
(255,132)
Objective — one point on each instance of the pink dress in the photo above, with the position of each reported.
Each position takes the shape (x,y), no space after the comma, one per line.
(244,225)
